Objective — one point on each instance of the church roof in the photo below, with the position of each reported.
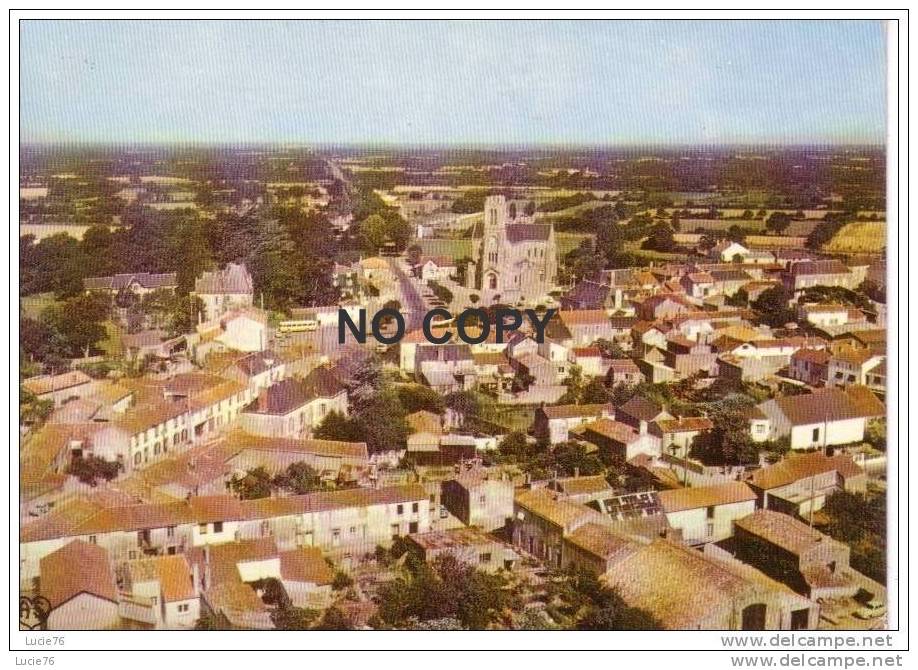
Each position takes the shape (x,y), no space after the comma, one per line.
(527,232)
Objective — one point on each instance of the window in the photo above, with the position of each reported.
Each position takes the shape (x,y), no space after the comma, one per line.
(815,435)
(183,608)
(484,558)
(395,530)
(202,528)
(400,509)
(218,527)
(137,458)
(413,527)
(170,531)
(711,512)
(481,500)
(92,539)
(336,536)
(157,448)
(414,507)
(353,530)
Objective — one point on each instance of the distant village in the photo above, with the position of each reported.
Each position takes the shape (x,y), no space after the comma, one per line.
(698,441)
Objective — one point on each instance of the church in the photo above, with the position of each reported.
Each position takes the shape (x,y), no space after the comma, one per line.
(513,262)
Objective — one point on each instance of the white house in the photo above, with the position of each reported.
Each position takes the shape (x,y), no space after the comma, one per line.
(555,421)
(79,582)
(294,407)
(727,250)
(825,417)
(437,268)
(706,513)
(224,290)
(163,586)
(851,366)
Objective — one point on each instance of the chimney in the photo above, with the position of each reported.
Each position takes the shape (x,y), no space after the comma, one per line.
(262,400)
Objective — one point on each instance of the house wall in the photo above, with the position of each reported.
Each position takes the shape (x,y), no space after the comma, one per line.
(252,571)
(244,334)
(362,528)
(491,504)
(84,612)
(697,527)
(217,304)
(577,557)
(677,444)
(834,432)
(174,619)
(202,534)
(538,537)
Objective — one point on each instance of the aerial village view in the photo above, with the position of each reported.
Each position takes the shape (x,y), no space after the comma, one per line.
(696,439)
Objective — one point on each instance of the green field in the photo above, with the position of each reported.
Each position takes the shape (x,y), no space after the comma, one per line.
(859,237)
(33,305)
(511,417)
(567,242)
(462,248)
(455,249)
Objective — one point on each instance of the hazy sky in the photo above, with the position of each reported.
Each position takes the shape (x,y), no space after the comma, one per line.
(452,82)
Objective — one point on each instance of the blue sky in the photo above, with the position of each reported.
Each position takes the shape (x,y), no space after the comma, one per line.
(607,82)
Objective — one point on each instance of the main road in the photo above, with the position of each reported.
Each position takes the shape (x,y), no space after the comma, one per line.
(413,305)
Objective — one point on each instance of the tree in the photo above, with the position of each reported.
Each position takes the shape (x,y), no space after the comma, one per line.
(729,442)
(373,233)
(294,618)
(660,239)
(256,483)
(859,520)
(272,266)
(33,411)
(464,403)
(595,392)
(515,448)
(446,588)
(335,619)
(571,458)
(738,299)
(470,202)
(298,478)
(772,306)
(574,384)
(591,605)
(415,398)
(336,426)
(208,621)
(78,322)
(90,469)
(778,222)
(342,581)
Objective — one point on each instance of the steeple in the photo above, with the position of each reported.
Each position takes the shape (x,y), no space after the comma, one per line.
(495,213)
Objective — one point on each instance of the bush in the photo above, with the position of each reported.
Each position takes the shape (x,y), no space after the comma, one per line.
(342,581)
(89,469)
(443,294)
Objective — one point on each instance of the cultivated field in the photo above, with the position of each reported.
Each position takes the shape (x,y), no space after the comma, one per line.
(859,237)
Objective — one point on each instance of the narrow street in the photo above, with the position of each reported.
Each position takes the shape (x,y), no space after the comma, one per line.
(410,298)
